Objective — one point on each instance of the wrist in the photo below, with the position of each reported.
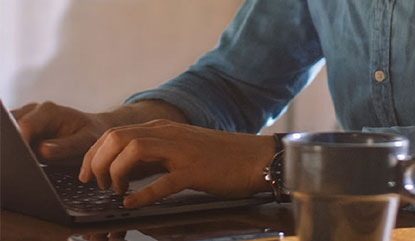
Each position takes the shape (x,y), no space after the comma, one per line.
(264,159)
(274,172)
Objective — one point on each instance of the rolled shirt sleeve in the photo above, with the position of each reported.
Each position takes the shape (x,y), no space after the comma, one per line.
(261,62)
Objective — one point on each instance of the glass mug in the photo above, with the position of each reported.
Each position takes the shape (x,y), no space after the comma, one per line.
(347,186)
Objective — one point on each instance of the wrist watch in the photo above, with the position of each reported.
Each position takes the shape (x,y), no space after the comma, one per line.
(274,173)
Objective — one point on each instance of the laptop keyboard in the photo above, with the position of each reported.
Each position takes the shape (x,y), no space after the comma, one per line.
(84,197)
(88,197)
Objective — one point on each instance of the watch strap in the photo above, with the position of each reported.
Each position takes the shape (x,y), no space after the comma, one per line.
(274,173)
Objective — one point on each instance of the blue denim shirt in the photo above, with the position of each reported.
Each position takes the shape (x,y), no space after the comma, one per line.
(263,60)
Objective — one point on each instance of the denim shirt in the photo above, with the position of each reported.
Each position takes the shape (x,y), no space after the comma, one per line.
(263,60)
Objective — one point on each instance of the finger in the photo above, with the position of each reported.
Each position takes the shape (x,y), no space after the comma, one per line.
(104,151)
(66,147)
(111,133)
(102,155)
(166,185)
(19,113)
(148,149)
(85,174)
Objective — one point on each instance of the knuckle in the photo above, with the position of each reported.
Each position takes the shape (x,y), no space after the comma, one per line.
(136,146)
(25,109)
(110,130)
(47,105)
(106,133)
(114,137)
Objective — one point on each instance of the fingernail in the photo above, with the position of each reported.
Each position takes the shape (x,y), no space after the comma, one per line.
(82,175)
(51,145)
(49,149)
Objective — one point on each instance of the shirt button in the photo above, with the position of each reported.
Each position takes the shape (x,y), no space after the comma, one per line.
(379,75)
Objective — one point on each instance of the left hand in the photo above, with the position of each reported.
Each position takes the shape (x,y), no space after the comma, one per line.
(216,162)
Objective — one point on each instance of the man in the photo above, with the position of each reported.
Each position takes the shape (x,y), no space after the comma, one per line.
(262,61)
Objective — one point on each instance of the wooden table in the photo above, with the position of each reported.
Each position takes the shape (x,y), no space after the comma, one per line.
(246,223)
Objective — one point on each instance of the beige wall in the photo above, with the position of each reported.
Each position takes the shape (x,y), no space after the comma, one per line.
(93,54)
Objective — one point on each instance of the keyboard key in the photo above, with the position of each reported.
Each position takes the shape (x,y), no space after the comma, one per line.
(85,197)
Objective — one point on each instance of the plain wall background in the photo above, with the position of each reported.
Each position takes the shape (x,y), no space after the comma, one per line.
(93,54)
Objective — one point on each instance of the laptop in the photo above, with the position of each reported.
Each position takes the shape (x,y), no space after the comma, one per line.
(54,193)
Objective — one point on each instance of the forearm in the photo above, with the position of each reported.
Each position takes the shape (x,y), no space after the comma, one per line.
(143,111)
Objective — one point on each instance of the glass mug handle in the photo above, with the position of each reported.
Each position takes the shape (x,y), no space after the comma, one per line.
(407,178)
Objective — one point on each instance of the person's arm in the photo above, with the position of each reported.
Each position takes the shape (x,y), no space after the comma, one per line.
(58,132)
(217,162)
(261,62)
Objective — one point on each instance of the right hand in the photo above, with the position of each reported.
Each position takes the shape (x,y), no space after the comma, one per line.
(217,162)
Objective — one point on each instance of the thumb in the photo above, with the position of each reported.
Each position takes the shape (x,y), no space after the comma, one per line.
(166,185)
(72,146)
